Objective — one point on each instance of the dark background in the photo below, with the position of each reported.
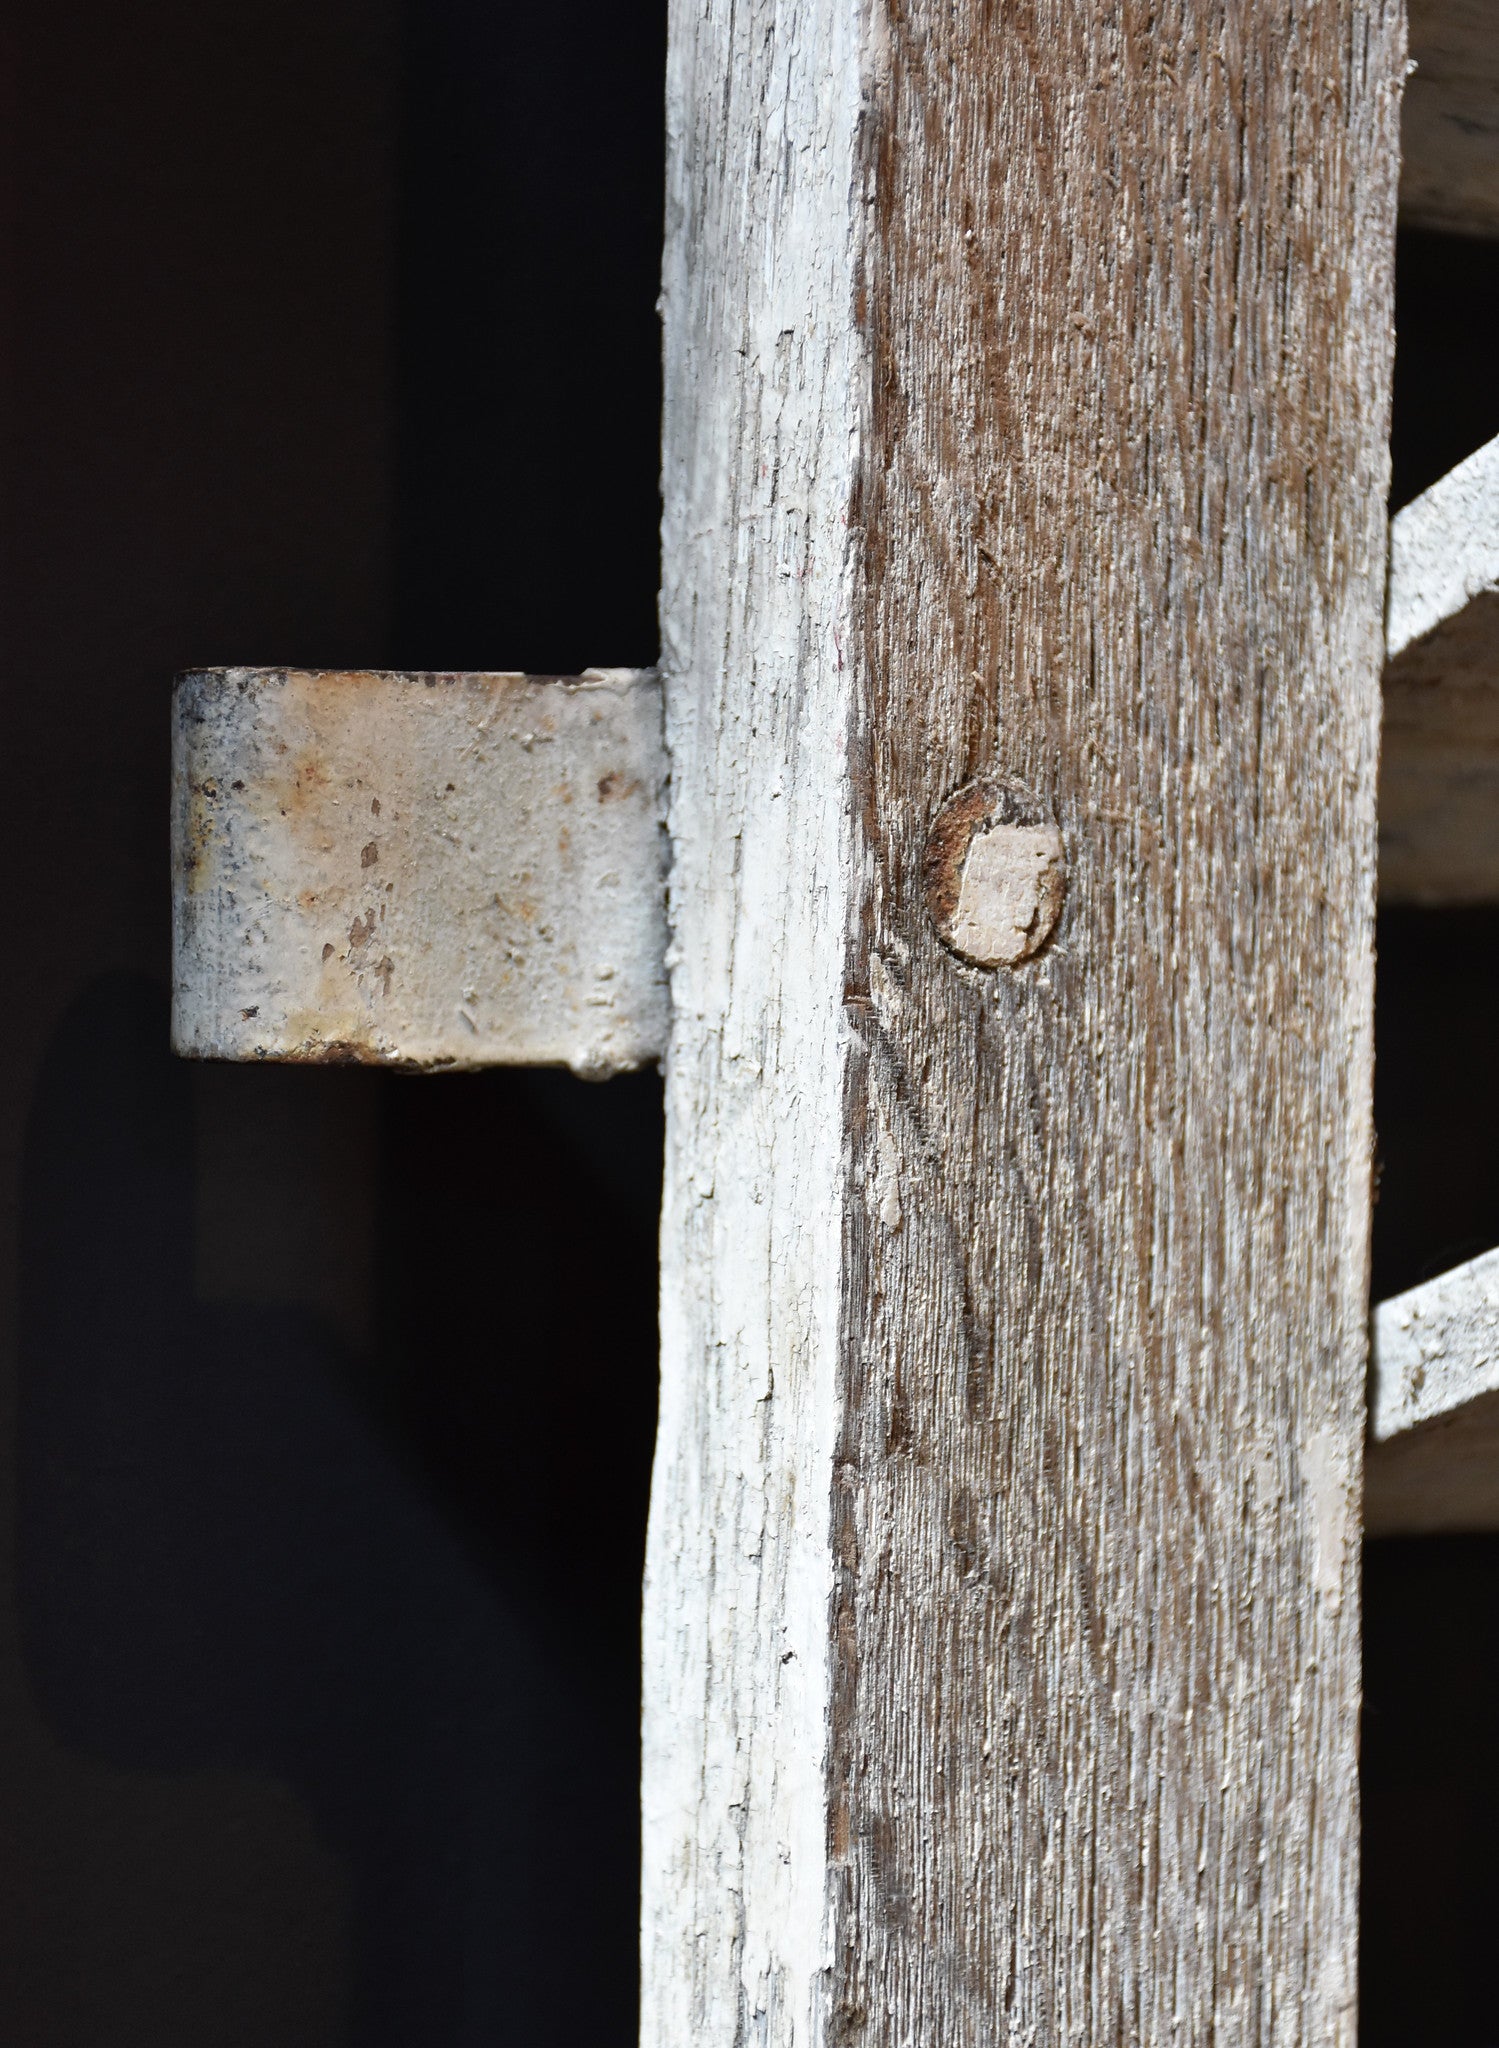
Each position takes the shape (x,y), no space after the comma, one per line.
(327,335)
(1430,1906)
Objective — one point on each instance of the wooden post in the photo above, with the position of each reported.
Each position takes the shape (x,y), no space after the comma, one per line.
(1027,375)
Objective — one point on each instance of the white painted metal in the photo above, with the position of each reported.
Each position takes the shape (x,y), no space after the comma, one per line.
(1434,1405)
(420,870)
(1439,772)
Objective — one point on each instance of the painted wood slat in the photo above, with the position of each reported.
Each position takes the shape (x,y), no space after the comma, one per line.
(1433,1460)
(1026,406)
(426,870)
(1439,768)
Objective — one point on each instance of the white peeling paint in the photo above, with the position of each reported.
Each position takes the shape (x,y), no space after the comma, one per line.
(762,403)
(1327,1474)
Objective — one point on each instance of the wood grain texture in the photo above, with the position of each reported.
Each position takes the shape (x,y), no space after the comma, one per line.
(1027,380)
(1439,762)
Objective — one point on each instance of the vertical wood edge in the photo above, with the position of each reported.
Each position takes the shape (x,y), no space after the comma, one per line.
(763,404)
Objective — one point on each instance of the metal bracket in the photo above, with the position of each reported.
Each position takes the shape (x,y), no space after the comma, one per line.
(447,870)
(419,870)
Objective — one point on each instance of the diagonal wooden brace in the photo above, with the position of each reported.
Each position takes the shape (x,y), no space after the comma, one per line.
(419,870)
(1439,766)
(1433,1459)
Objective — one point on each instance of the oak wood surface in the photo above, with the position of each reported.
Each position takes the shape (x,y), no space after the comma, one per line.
(1026,401)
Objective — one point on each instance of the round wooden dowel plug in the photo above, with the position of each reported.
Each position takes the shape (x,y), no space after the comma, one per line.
(995,873)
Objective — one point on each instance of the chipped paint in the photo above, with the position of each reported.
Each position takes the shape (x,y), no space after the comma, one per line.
(1327,1475)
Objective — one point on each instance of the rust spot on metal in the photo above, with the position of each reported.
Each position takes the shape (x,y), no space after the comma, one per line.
(302,788)
(350,1052)
(202,828)
(370,854)
(613,788)
(336,1052)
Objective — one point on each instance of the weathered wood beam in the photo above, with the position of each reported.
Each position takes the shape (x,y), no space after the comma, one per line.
(423,870)
(1027,376)
(1433,1459)
(1450,133)
(1439,768)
